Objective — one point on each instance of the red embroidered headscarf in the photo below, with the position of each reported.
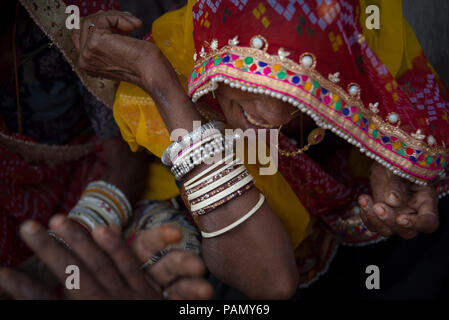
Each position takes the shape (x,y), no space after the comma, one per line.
(313,55)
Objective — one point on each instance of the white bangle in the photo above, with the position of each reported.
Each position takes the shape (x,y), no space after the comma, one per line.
(84,219)
(236,223)
(119,195)
(104,199)
(222,194)
(215,166)
(216,184)
(95,204)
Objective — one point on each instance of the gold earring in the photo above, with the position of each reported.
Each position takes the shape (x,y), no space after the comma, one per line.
(315,137)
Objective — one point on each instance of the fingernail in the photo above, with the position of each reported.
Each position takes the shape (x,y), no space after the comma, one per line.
(404,222)
(394,197)
(100,230)
(380,211)
(30,227)
(57,221)
(363,202)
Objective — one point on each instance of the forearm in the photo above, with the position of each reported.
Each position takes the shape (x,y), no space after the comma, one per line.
(125,169)
(256,257)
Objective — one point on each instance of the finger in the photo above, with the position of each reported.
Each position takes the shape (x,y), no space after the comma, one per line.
(121,21)
(114,20)
(91,255)
(379,178)
(124,260)
(366,213)
(150,242)
(86,25)
(406,234)
(20,286)
(386,214)
(365,203)
(398,228)
(57,259)
(372,222)
(75,36)
(190,289)
(176,264)
(426,223)
(396,191)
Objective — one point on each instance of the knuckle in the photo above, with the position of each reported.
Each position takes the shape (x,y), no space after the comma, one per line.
(93,43)
(82,63)
(176,256)
(129,267)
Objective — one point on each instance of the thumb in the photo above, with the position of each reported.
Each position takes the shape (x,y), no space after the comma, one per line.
(75,35)
(122,21)
(396,191)
(151,241)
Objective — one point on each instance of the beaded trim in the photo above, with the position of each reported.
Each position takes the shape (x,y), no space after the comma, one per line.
(329,105)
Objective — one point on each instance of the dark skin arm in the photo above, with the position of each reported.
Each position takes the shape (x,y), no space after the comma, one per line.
(256,257)
(125,169)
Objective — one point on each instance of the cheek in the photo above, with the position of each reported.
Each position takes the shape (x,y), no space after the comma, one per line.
(233,114)
(277,116)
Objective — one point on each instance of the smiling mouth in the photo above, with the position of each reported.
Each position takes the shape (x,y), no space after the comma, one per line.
(255,122)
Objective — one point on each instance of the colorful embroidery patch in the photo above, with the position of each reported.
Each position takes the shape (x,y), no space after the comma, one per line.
(328,98)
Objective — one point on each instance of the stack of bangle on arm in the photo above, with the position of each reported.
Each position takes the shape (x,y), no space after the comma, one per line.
(101,204)
(225,180)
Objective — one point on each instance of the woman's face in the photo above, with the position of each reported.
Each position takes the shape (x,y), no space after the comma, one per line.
(246,110)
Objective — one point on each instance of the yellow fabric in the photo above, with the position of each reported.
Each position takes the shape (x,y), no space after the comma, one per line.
(395,42)
(161,185)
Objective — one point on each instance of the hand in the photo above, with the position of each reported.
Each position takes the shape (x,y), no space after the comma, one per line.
(179,272)
(108,268)
(101,52)
(398,206)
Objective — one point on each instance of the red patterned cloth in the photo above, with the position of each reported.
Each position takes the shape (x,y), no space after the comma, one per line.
(34,190)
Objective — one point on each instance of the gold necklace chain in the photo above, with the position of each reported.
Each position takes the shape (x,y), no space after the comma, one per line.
(315,137)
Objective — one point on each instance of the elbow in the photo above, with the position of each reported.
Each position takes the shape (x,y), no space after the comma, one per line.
(280,287)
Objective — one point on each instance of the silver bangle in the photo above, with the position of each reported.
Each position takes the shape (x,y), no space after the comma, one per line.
(210,150)
(186,141)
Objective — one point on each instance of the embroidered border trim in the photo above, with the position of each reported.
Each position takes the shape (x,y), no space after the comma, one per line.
(333,106)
